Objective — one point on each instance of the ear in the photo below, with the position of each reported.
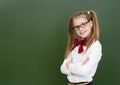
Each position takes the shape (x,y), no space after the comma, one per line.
(91,23)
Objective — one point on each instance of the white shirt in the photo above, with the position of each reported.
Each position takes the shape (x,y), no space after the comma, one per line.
(77,72)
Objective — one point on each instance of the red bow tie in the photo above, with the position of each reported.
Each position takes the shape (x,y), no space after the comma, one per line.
(81,43)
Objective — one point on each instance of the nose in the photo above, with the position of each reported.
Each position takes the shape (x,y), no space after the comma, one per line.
(80,28)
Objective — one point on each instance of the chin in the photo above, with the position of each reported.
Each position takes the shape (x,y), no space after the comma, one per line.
(83,36)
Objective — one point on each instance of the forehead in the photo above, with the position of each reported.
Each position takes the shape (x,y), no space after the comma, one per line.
(79,20)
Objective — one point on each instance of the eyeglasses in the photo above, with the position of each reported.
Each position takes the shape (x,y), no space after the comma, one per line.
(83,25)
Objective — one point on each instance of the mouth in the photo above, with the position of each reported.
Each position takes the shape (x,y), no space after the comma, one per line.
(82,33)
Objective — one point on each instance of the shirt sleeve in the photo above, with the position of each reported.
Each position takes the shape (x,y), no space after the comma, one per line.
(94,54)
(63,67)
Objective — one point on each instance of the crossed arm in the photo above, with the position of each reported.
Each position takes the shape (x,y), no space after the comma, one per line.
(83,68)
(83,63)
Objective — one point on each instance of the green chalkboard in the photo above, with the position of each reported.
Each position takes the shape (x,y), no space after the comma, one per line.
(33,37)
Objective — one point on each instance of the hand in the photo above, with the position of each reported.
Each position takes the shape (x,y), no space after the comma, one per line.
(85,61)
(68,63)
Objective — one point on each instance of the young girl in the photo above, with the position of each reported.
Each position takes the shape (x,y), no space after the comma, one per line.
(84,49)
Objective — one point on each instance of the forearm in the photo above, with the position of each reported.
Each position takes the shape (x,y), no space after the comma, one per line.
(64,68)
(84,67)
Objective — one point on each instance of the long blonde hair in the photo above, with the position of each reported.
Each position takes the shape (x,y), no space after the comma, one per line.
(94,35)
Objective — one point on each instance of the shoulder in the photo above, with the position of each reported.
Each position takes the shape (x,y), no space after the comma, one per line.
(95,50)
(96,45)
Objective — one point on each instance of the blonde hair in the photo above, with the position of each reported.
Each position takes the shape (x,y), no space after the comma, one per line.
(94,35)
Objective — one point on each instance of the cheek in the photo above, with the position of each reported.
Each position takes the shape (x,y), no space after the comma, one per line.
(88,30)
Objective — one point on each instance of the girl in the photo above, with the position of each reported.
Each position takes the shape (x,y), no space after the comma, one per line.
(84,49)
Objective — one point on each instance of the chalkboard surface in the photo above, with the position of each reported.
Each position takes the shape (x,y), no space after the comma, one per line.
(33,37)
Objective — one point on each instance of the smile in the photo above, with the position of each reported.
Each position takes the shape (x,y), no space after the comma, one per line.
(82,32)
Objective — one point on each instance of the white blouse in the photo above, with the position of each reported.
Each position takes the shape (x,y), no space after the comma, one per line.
(77,72)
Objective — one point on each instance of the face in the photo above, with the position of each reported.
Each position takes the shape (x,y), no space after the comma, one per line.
(82,26)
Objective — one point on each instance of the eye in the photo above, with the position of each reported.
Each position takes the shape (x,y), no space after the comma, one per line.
(78,26)
(83,24)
